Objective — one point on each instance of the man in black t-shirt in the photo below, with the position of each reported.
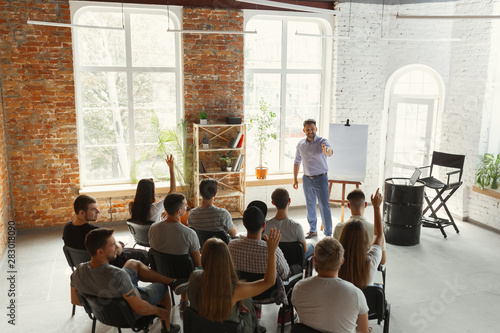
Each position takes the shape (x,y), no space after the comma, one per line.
(75,231)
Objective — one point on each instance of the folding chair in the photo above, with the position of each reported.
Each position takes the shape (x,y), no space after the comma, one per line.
(446,161)
(303,328)
(378,308)
(139,232)
(295,256)
(194,323)
(75,257)
(204,235)
(171,265)
(114,312)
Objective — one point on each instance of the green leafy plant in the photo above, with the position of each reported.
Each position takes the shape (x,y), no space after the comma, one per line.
(488,171)
(203,115)
(262,122)
(227,159)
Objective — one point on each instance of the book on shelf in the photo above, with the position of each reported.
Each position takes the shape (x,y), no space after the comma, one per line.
(202,167)
(237,140)
(240,143)
(239,162)
(231,142)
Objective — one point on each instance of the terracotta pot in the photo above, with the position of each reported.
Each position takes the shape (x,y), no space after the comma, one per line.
(184,219)
(261,172)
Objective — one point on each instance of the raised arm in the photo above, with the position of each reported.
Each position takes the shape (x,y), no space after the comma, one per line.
(170,163)
(377,225)
(244,290)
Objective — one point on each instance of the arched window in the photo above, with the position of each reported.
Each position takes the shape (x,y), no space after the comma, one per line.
(414,98)
(124,80)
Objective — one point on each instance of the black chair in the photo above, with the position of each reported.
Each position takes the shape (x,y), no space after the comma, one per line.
(75,257)
(448,161)
(378,308)
(171,265)
(204,235)
(271,295)
(194,323)
(114,312)
(139,232)
(302,328)
(295,256)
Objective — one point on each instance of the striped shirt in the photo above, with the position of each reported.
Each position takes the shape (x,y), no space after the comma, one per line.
(210,219)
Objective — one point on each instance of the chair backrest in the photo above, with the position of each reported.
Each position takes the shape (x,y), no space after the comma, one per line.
(272,292)
(294,253)
(194,323)
(139,232)
(75,257)
(171,265)
(448,161)
(204,235)
(375,298)
(302,328)
(114,312)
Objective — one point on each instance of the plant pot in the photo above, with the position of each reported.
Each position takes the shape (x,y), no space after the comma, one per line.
(261,172)
(228,169)
(223,168)
(494,184)
(203,121)
(205,145)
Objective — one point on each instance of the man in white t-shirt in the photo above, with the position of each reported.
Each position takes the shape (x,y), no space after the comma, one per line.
(357,204)
(290,230)
(208,217)
(327,303)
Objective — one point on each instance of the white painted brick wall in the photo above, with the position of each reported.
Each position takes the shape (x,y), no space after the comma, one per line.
(365,62)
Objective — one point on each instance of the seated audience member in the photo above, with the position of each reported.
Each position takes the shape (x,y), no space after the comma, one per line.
(357,205)
(361,260)
(208,217)
(74,232)
(290,230)
(98,278)
(172,237)
(144,209)
(325,302)
(217,295)
(250,253)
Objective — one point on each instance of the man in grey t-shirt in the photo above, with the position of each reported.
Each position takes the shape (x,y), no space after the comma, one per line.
(98,278)
(208,217)
(327,303)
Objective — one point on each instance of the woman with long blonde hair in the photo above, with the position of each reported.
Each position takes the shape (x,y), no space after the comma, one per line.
(360,259)
(217,294)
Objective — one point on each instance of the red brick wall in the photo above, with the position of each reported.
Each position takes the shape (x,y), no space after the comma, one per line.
(39,111)
(5,215)
(39,103)
(213,64)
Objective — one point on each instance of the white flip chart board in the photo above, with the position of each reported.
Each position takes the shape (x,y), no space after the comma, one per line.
(349,144)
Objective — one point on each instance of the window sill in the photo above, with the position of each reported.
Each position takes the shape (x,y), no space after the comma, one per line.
(272,180)
(487,191)
(121,190)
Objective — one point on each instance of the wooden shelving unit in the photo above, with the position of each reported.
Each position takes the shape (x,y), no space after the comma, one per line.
(232,184)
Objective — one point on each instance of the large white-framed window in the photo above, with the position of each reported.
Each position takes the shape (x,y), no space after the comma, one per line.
(292,74)
(128,84)
(414,99)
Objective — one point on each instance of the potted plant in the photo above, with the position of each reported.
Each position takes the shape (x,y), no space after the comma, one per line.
(227,160)
(488,171)
(206,142)
(262,122)
(203,117)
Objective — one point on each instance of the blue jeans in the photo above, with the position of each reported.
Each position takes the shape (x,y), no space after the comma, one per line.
(316,190)
(310,250)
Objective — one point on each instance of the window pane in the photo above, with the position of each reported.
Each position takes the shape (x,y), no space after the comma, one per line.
(263,50)
(151,44)
(99,47)
(105,124)
(266,86)
(303,102)
(304,52)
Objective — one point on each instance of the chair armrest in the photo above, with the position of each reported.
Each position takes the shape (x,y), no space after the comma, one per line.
(425,167)
(452,173)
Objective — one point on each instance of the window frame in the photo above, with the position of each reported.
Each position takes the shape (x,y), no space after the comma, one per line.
(78,8)
(326,24)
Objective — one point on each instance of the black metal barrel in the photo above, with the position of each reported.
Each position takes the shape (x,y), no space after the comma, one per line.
(402,211)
